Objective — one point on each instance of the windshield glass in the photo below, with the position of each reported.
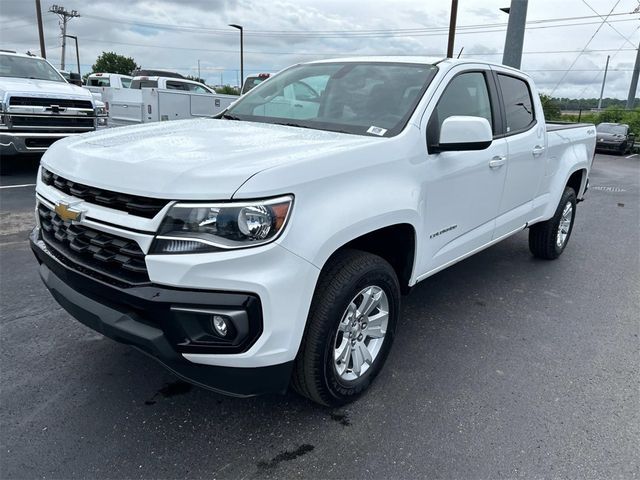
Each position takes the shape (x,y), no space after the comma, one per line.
(27,67)
(364,98)
(611,128)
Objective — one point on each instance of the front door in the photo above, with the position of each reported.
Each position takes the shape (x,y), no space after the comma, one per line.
(463,188)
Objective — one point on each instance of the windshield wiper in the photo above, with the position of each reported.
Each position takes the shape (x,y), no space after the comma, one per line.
(294,125)
(228,116)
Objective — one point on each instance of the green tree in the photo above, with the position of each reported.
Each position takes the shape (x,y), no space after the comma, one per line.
(195,79)
(550,107)
(110,62)
(227,90)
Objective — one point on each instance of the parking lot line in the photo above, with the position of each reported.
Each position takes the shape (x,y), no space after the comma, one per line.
(632,155)
(18,186)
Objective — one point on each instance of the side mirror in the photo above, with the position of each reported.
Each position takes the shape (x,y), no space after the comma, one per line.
(459,133)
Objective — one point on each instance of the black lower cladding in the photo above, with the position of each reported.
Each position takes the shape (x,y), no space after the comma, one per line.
(142,316)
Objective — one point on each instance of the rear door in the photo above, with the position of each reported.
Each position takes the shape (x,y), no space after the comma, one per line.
(526,142)
(462,189)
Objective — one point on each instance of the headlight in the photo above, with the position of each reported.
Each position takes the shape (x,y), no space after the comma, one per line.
(102,116)
(211,227)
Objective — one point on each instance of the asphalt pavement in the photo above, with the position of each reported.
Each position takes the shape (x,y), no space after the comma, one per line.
(503,367)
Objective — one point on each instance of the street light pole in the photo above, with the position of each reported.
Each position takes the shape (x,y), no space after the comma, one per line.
(239,27)
(512,56)
(452,28)
(634,81)
(77,52)
(43,51)
(604,80)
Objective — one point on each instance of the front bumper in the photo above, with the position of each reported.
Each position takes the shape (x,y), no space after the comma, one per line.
(610,146)
(142,317)
(15,143)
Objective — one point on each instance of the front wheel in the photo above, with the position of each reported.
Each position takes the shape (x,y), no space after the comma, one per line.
(350,328)
(548,239)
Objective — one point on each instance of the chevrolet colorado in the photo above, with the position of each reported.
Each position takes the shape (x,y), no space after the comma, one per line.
(270,246)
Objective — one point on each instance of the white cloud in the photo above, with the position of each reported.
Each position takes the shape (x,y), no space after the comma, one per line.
(218,48)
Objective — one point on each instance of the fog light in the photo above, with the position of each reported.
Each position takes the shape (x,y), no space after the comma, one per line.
(220,325)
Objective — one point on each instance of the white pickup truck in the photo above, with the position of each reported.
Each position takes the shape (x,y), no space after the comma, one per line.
(153,99)
(270,247)
(38,106)
(96,81)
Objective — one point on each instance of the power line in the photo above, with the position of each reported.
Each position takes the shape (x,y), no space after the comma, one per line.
(585,47)
(614,28)
(424,31)
(323,54)
(601,70)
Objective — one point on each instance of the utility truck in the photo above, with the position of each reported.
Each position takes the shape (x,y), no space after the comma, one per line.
(271,246)
(154,98)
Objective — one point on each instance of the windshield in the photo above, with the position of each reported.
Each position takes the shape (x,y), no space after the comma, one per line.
(611,128)
(364,98)
(27,67)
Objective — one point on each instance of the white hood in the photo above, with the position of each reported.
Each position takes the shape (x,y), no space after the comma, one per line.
(187,159)
(41,88)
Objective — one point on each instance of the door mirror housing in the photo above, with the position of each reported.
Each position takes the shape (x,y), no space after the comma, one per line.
(460,133)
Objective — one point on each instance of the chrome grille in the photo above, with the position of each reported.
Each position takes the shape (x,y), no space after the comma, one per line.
(134,205)
(92,251)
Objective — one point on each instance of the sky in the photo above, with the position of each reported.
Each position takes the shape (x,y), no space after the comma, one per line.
(565,47)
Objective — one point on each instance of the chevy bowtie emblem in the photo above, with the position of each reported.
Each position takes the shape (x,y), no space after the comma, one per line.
(55,109)
(67,213)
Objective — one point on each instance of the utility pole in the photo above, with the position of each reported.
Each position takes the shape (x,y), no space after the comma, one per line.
(64,16)
(606,68)
(633,88)
(239,27)
(43,51)
(452,27)
(512,56)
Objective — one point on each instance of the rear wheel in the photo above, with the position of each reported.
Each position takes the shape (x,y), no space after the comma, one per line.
(349,330)
(548,239)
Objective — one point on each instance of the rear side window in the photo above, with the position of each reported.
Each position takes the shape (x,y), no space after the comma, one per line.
(126,82)
(99,82)
(518,104)
(171,85)
(137,84)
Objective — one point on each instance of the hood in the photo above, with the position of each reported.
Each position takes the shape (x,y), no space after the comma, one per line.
(188,159)
(41,88)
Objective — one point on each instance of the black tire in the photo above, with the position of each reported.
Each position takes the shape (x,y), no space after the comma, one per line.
(623,148)
(543,236)
(346,274)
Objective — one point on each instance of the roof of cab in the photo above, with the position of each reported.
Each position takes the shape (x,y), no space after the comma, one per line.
(416,60)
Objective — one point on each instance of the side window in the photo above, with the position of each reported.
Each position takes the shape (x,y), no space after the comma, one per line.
(517,103)
(171,85)
(467,94)
(304,92)
(197,88)
(126,82)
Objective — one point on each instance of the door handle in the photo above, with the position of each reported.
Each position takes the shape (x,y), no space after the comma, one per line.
(498,161)
(538,150)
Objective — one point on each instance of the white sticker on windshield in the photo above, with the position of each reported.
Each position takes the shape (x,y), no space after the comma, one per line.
(377,131)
